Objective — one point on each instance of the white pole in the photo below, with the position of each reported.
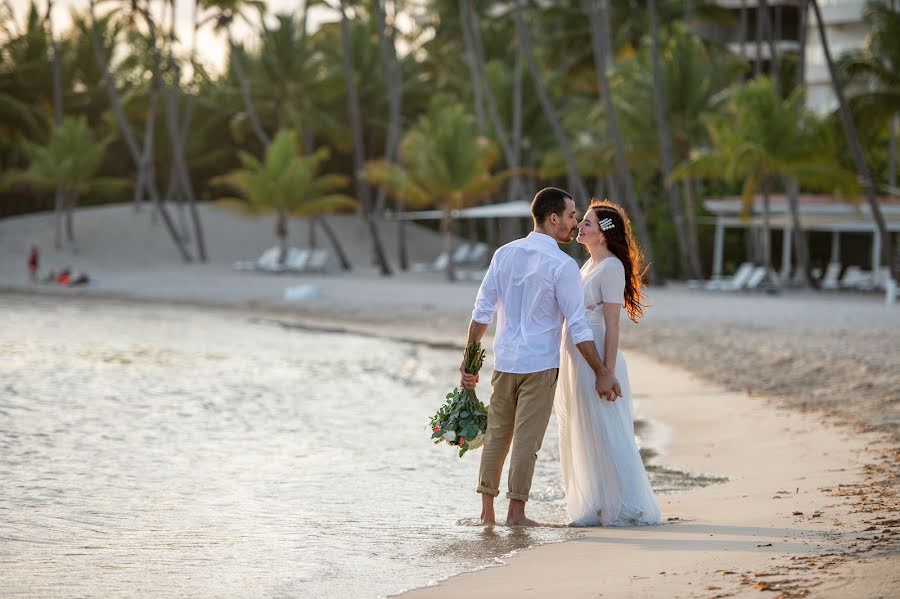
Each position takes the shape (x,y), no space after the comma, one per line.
(876,251)
(718,249)
(835,247)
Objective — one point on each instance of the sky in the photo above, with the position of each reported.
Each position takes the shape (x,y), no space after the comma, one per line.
(210,47)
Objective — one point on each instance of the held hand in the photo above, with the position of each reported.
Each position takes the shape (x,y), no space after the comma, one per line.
(617,389)
(466,380)
(608,387)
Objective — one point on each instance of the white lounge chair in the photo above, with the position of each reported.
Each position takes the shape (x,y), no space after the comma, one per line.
(756,277)
(297,260)
(734,283)
(318,260)
(856,278)
(832,272)
(439,264)
(478,254)
(461,254)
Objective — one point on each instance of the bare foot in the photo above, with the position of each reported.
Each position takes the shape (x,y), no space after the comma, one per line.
(488,518)
(521,521)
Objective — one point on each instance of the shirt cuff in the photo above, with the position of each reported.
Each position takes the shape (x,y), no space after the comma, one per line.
(482,317)
(580,335)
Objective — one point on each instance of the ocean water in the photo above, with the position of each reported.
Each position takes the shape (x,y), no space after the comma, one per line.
(162,451)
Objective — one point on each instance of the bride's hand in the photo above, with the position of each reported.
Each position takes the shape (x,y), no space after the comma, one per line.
(606,386)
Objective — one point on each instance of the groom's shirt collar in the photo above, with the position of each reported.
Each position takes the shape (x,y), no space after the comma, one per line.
(538,237)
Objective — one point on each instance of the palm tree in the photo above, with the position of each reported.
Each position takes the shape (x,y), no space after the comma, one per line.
(444,162)
(223,14)
(599,22)
(287,183)
(68,164)
(763,141)
(523,36)
(688,266)
(136,152)
(363,193)
(877,68)
(853,142)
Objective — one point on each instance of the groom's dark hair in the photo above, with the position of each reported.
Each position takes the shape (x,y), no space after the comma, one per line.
(550,200)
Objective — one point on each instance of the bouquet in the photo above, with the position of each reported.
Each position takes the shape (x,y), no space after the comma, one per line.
(462,420)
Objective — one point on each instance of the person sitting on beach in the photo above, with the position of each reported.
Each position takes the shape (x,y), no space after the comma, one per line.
(64,276)
(81,279)
(34,258)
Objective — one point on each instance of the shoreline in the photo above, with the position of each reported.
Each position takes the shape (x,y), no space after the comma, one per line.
(858,466)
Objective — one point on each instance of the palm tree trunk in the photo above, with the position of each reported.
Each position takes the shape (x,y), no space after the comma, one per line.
(773,50)
(244,86)
(71,199)
(362,188)
(128,135)
(58,214)
(470,21)
(665,147)
(469,48)
(524,36)
(893,131)
(281,232)
(447,226)
(801,57)
(742,32)
(800,246)
(693,235)
(855,149)
(335,243)
(767,232)
(599,22)
(757,64)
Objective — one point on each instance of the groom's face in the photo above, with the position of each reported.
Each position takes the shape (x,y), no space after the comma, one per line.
(566,223)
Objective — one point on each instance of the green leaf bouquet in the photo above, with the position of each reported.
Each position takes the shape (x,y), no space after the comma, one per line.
(462,420)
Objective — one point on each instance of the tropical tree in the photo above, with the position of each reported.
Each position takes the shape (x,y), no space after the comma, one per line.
(287,183)
(363,193)
(68,165)
(876,68)
(443,162)
(598,16)
(852,138)
(764,141)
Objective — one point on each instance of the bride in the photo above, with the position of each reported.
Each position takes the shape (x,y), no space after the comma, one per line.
(604,477)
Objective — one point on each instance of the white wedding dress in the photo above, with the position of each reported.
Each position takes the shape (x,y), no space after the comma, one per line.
(602,471)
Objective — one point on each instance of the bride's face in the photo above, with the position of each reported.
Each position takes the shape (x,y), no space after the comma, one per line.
(589,232)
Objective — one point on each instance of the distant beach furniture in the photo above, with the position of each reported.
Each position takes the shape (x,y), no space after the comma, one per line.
(297,260)
(466,255)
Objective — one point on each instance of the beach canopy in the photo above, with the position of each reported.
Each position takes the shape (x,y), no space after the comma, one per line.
(517,209)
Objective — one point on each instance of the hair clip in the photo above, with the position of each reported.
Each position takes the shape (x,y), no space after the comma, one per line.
(607,224)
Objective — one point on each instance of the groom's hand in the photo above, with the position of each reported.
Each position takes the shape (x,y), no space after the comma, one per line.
(466,380)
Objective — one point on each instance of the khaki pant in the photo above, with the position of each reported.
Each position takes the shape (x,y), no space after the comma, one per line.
(519,412)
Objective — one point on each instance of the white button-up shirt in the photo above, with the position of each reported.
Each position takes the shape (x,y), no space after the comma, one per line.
(532,285)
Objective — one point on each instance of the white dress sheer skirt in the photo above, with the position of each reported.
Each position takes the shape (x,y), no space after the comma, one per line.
(605,480)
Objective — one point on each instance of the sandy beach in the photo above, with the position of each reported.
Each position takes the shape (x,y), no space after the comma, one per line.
(794,398)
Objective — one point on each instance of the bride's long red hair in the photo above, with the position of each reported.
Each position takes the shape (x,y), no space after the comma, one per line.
(621,242)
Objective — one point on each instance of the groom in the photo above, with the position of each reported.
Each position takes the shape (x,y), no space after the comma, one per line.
(533,286)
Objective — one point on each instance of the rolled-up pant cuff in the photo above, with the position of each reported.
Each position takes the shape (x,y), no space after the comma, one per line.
(517,496)
(488,490)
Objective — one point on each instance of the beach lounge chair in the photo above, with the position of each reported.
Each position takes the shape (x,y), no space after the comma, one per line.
(461,254)
(318,261)
(478,254)
(756,277)
(856,278)
(439,264)
(832,272)
(734,283)
(297,260)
